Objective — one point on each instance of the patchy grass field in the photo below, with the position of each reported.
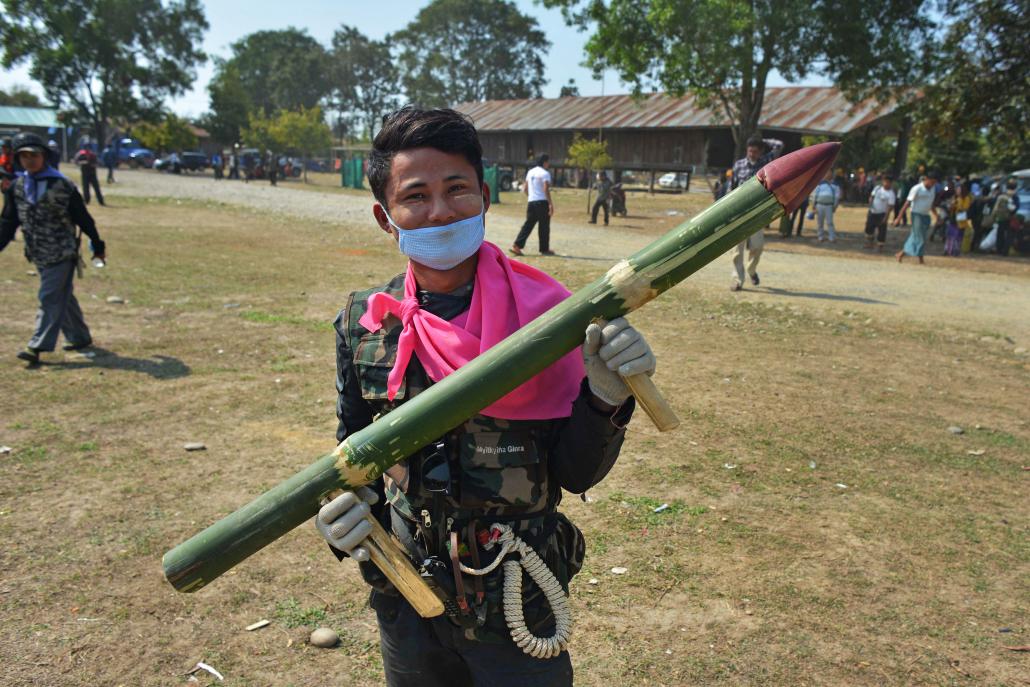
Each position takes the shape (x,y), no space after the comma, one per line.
(824,526)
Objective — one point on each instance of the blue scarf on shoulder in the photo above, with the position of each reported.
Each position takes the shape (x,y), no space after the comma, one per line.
(35,190)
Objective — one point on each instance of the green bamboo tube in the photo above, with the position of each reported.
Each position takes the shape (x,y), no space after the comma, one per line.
(367,454)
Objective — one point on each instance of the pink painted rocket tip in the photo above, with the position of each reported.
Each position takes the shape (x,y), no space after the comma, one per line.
(793,177)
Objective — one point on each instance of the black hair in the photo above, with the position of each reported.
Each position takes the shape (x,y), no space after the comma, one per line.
(414,127)
(542,159)
(888,177)
(756,141)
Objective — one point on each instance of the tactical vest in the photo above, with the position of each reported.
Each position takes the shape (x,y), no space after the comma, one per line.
(498,468)
(498,473)
(48,230)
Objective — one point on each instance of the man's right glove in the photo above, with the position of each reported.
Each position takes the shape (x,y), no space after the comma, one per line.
(612,352)
(342,521)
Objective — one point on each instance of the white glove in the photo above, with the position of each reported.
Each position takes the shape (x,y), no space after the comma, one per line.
(342,521)
(610,353)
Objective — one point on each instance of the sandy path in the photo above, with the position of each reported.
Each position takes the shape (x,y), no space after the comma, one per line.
(934,295)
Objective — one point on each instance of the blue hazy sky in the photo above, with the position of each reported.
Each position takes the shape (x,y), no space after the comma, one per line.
(230,20)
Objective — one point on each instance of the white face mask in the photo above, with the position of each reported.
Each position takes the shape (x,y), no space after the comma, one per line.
(442,248)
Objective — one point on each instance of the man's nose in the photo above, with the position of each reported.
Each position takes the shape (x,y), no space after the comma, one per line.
(441,211)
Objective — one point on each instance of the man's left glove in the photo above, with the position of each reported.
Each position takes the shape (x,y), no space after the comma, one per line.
(612,352)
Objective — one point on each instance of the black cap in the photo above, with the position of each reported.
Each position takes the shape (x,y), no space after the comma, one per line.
(28,141)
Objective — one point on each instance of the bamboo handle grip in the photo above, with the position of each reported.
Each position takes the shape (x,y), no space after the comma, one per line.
(650,398)
(652,401)
(391,559)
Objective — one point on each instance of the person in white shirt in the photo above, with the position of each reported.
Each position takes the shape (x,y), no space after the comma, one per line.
(825,199)
(921,199)
(539,208)
(881,200)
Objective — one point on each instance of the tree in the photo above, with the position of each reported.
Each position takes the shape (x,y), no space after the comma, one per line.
(304,132)
(364,78)
(467,50)
(589,154)
(723,51)
(279,70)
(105,59)
(263,132)
(20,96)
(980,83)
(569,90)
(171,134)
(229,102)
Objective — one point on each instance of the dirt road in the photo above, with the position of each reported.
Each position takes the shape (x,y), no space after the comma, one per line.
(935,296)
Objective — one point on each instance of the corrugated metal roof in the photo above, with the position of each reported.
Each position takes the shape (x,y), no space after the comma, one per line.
(808,110)
(28,116)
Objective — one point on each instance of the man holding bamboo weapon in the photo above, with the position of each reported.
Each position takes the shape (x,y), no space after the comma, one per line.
(508,464)
(425,354)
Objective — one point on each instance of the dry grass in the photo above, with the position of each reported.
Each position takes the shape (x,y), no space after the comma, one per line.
(763,572)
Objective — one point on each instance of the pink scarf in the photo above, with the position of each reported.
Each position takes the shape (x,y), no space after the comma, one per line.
(506,295)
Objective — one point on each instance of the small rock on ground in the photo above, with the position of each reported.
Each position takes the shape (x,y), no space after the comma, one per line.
(324,638)
(115,299)
(955,429)
(194,446)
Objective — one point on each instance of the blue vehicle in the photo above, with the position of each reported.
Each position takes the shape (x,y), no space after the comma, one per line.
(132,153)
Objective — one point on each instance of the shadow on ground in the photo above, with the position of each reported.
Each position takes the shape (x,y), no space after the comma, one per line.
(826,296)
(158,366)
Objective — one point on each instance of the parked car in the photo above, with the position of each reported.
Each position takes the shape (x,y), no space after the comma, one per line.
(675,180)
(193,161)
(169,163)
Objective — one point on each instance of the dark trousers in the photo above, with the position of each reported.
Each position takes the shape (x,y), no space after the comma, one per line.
(600,203)
(799,216)
(876,223)
(59,311)
(536,212)
(420,652)
(89,178)
(110,174)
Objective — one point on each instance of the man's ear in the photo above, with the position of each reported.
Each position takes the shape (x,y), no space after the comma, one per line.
(486,196)
(384,223)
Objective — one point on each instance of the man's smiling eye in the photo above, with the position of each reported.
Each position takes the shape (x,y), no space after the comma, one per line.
(415,196)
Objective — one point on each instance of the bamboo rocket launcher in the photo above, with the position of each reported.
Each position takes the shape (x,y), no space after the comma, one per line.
(365,455)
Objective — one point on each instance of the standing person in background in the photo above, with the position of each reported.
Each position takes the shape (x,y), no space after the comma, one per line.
(921,199)
(604,190)
(48,207)
(799,216)
(86,159)
(273,168)
(825,199)
(963,218)
(218,165)
(1006,205)
(53,154)
(881,201)
(760,152)
(539,207)
(976,216)
(109,159)
(234,164)
(6,165)
(722,186)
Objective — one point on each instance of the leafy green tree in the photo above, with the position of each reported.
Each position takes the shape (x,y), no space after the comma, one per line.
(303,131)
(230,105)
(590,155)
(262,132)
(569,90)
(280,70)
(106,59)
(723,51)
(980,83)
(171,134)
(458,51)
(20,96)
(364,77)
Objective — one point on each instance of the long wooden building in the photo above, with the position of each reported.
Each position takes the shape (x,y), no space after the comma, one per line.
(662,133)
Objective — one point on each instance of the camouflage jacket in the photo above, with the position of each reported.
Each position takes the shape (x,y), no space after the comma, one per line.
(49,225)
(500,470)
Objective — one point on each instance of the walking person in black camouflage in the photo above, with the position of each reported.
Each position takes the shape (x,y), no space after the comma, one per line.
(48,208)
(562,429)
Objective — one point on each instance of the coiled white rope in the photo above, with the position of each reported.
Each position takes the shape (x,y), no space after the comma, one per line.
(537,647)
